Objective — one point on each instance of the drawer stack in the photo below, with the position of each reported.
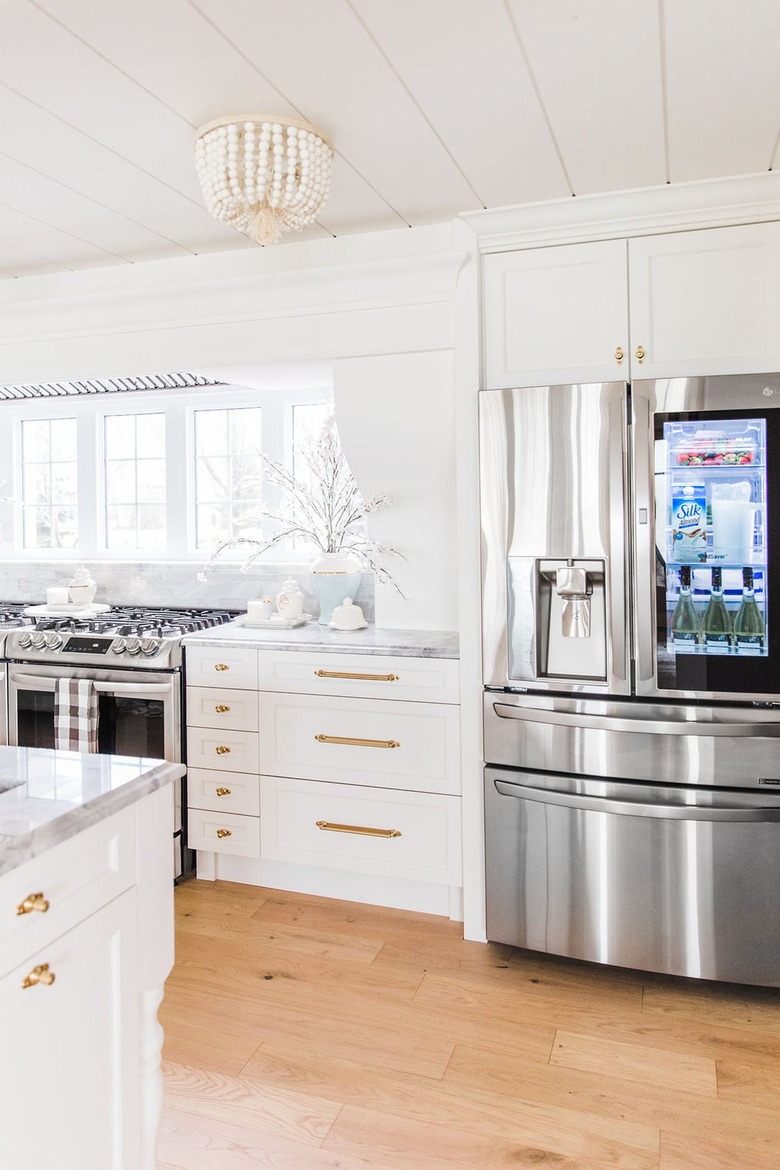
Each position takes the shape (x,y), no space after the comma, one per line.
(223,792)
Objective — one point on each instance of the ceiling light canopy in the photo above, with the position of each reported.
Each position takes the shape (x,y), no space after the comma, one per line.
(263,174)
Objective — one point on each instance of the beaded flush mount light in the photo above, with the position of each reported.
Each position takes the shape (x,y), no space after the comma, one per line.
(263,174)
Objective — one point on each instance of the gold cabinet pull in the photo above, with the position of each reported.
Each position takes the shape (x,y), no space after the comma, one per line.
(33,902)
(222,750)
(347,739)
(40,974)
(222,666)
(363,830)
(223,792)
(221,708)
(640,354)
(619,355)
(224,833)
(352,674)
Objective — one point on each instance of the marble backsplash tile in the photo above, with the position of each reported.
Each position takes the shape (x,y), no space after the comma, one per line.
(155,583)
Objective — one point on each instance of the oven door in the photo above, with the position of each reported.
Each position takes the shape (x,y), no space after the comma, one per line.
(139,711)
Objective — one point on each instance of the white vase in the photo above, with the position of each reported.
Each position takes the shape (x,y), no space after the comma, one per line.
(335,576)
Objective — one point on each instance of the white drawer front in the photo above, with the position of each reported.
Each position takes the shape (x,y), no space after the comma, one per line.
(234,792)
(225,833)
(345,826)
(75,879)
(229,751)
(368,676)
(234,668)
(213,707)
(391,745)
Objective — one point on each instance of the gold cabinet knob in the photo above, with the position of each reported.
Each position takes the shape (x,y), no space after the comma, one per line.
(33,902)
(224,833)
(223,792)
(222,666)
(40,974)
(221,708)
(222,750)
(640,354)
(619,355)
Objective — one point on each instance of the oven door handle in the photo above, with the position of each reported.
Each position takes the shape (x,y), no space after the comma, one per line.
(575,719)
(637,808)
(141,690)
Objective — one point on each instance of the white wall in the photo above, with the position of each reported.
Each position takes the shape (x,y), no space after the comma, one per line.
(396,417)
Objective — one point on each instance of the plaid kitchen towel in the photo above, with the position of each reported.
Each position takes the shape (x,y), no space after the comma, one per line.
(76,715)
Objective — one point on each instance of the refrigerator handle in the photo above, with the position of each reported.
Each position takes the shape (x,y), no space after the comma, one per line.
(643,524)
(617,593)
(636,808)
(639,726)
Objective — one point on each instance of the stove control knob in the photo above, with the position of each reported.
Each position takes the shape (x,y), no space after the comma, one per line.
(53,641)
(119,645)
(133,646)
(39,641)
(150,646)
(24,641)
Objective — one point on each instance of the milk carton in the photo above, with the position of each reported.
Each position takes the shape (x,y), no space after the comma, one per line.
(689,522)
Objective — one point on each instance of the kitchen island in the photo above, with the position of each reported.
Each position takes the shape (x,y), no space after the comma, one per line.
(86,938)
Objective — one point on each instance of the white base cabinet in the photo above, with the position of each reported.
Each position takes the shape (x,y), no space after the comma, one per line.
(355,787)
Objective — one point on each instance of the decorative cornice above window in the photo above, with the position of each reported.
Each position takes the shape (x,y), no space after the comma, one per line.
(176,381)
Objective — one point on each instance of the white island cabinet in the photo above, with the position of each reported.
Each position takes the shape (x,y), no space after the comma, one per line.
(86,943)
(327,763)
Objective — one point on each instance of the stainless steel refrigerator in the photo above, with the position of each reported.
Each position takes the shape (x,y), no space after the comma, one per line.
(631,656)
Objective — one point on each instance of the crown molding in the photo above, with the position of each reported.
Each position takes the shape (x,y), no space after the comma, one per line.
(644,211)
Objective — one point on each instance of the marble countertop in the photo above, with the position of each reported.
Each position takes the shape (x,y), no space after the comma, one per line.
(405,643)
(48,796)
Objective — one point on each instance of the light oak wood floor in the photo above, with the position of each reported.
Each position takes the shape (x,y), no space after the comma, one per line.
(308,1034)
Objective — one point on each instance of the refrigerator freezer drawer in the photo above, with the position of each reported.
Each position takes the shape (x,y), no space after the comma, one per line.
(578,871)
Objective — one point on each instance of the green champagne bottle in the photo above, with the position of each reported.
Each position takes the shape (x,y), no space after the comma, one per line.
(716,624)
(686,628)
(749,630)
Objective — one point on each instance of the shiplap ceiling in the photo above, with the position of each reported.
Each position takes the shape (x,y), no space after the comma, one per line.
(434,107)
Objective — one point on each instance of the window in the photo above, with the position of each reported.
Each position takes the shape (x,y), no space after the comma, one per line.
(228,475)
(49,483)
(134,481)
(161,473)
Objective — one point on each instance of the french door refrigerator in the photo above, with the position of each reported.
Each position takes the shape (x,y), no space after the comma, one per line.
(631,656)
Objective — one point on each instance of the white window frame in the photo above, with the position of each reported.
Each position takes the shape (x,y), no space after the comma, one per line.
(179,407)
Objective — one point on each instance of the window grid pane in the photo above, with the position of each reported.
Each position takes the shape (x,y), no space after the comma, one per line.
(228,475)
(134,478)
(49,483)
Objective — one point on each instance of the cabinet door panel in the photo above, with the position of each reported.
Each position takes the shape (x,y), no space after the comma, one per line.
(77,1043)
(706,302)
(555,315)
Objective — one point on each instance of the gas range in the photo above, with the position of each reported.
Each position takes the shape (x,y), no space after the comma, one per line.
(124,636)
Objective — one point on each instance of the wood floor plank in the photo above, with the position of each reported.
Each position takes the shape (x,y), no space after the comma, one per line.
(634,1062)
(191,1042)
(746,1008)
(292,938)
(414,1145)
(242,1102)
(747,1081)
(705,1150)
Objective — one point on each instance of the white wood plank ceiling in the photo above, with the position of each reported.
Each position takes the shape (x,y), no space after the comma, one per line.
(434,107)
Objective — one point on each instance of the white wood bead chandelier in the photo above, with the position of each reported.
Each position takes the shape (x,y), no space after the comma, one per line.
(263,174)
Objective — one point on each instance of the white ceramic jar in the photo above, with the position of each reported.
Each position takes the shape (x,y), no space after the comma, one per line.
(82,588)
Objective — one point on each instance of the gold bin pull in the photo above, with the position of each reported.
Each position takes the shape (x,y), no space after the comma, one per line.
(221,708)
(40,974)
(347,739)
(222,750)
(351,674)
(33,902)
(224,833)
(363,830)
(223,792)
(222,666)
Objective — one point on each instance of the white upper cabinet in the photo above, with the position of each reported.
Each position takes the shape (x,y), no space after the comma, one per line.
(556,315)
(705,302)
(682,303)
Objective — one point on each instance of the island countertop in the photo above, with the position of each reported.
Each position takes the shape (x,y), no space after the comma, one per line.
(312,636)
(48,796)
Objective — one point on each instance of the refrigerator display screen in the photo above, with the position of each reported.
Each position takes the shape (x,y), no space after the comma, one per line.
(714,538)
